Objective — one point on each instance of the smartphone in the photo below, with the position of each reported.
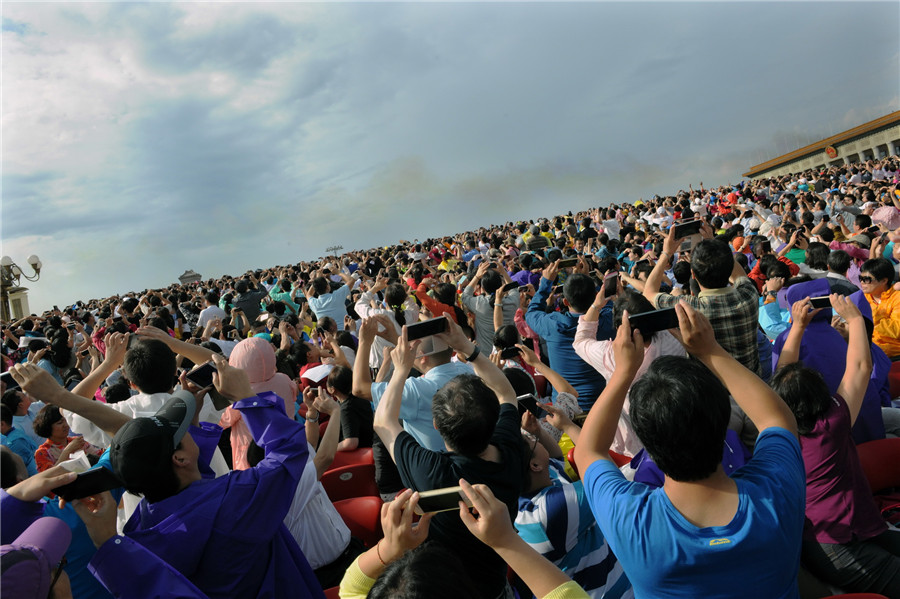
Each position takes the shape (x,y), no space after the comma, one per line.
(686,246)
(510,286)
(427,328)
(820,302)
(568,262)
(11,383)
(657,320)
(441,500)
(70,326)
(688,228)
(510,352)
(202,375)
(529,402)
(85,352)
(89,483)
(314,391)
(611,282)
(558,289)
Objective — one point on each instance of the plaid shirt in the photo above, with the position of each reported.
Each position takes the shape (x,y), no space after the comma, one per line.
(734,315)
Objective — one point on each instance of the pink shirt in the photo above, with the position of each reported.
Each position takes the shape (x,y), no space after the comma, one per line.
(839,503)
(599,354)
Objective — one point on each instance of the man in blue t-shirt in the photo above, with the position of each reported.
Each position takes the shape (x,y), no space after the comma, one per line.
(703,533)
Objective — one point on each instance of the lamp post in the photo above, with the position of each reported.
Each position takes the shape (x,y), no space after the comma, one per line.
(334,249)
(10,276)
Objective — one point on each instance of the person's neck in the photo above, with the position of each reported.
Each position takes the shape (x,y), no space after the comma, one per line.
(538,480)
(712,501)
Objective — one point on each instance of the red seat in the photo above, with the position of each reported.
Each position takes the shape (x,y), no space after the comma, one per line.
(362,515)
(363,455)
(333,593)
(357,480)
(618,459)
(879,460)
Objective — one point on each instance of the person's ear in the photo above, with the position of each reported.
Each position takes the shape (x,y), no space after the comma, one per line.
(180,459)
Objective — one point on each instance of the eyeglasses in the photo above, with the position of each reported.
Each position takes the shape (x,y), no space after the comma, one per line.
(866,279)
(531,453)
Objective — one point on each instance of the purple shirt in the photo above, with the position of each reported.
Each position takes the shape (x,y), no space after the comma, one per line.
(526,277)
(839,503)
(226,535)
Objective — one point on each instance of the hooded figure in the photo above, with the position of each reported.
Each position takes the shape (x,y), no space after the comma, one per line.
(256,357)
(825,350)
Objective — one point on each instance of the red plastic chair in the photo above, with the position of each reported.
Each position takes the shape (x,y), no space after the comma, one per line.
(333,593)
(357,480)
(618,459)
(362,515)
(879,460)
(363,455)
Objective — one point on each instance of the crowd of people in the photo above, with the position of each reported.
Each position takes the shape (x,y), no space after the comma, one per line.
(647,399)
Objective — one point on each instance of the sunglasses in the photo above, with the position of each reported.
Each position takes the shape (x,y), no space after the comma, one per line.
(866,279)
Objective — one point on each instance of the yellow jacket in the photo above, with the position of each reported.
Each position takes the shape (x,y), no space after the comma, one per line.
(886,316)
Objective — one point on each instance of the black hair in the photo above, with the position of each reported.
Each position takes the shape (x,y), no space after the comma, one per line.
(465,412)
(9,470)
(521,381)
(6,414)
(45,419)
(863,221)
(641,266)
(430,570)
(839,262)
(680,410)
(805,392)
(506,337)
(394,296)
(817,255)
(682,272)
(150,365)
(491,281)
(880,268)
(117,392)
(635,303)
(11,399)
(712,263)
(580,291)
(320,285)
(341,378)
(778,269)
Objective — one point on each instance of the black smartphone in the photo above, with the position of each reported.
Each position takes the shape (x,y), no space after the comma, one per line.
(558,289)
(510,352)
(510,286)
(657,320)
(687,228)
(70,326)
(820,302)
(441,500)
(530,403)
(89,483)
(11,383)
(85,352)
(426,328)
(202,375)
(568,262)
(611,283)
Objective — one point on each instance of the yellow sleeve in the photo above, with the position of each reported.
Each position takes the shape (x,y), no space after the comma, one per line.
(889,324)
(355,584)
(568,590)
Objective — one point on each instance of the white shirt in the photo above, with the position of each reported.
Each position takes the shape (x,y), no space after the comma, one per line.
(210,313)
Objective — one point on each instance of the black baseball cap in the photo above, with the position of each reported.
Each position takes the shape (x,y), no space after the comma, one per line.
(144,446)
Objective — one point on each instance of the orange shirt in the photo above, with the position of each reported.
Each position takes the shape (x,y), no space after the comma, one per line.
(886,316)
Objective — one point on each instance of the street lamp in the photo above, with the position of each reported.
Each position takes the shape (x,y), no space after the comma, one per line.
(10,276)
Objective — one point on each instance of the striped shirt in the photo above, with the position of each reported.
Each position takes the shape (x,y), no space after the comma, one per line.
(558,523)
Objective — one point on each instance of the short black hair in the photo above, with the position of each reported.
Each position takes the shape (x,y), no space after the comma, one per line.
(634,303)
(880,268)
(341,379)
(805,392)
(465,412)
(45,419)
(580,291)
(817,255)
(839,262)
(712,263)
(863,221)
(150,365)
(680,410)
(6,414)
(430,570)
(11,399)
(521,381)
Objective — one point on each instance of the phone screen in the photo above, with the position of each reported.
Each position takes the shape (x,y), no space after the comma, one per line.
(11,383)
(529,402)
(89,483)
(688,228)
(426,328)
(202,375)
(657,320)
(820,302)
(440,500)
(568,262)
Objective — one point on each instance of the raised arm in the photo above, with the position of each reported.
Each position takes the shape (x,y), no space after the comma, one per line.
(194,353)
(38,383)
(801,316)
(557,380)
(329,442)
(116,346)
(492,376)
(362,376)
(859,355)
(387,415)
(600,427)
(656,276)
(764,408)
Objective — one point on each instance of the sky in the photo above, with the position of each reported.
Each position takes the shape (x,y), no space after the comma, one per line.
(140,140)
